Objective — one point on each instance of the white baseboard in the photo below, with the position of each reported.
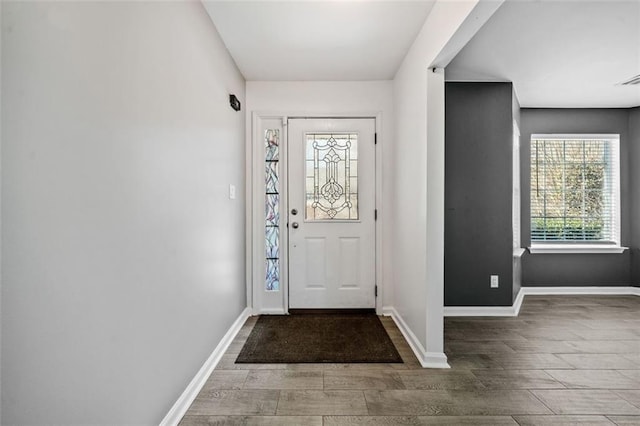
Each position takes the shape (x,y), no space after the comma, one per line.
(279,311)
(513,311)
(427,359)
(183,403)
(517,304)
(435,360)
(480,311)
(620,291)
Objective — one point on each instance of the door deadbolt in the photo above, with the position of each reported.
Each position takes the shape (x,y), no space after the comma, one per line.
(294,212)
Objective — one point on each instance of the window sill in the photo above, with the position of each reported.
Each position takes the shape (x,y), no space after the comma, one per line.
(575,248)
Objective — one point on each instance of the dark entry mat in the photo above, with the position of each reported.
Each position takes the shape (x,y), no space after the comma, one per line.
(331,338)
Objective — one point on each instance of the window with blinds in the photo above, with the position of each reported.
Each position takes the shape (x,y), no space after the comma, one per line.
(575,189)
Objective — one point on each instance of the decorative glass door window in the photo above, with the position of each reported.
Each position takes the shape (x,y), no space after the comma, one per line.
(331,172)
(272,209)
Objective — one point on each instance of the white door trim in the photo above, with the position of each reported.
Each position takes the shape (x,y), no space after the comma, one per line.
(255,208)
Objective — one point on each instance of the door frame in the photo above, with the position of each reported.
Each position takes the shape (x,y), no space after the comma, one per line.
(277,303)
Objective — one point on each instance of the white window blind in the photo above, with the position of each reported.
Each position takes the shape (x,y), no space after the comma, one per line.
(575,189)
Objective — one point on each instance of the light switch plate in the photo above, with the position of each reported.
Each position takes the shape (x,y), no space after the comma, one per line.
(232,192)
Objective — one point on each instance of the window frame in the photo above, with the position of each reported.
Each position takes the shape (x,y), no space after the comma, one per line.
(582,246)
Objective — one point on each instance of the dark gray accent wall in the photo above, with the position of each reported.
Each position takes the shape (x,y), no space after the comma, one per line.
(575,269)
(478,193)
(566,270)
(634,172)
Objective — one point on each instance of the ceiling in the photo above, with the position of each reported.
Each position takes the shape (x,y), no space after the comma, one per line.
(318,40)
(558,53)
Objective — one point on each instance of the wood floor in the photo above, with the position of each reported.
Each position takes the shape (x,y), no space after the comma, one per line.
(565,360)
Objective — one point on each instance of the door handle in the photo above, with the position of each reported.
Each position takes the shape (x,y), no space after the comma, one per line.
(294,225)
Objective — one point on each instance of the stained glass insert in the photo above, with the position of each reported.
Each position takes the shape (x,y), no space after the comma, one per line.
(273,274)
(272,216)
(272,236)
(271,142)
(271,178)
(272,210)
(331,168)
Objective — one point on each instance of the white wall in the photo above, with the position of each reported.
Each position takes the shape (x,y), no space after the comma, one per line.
(123,257)
(418,192)
(307,98)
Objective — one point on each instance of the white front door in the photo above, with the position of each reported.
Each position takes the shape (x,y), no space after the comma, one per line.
(331,175)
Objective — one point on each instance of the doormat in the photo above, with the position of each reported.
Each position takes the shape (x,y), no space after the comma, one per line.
(330,338)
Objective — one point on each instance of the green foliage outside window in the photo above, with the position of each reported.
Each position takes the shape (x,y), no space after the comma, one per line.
(560,229)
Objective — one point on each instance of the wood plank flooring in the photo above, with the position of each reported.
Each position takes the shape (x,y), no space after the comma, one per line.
(565,360)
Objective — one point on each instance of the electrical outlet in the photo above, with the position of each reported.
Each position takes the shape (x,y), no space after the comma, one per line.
(494,281)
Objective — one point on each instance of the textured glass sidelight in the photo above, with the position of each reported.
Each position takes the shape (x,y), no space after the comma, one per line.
(271,179)
(331,176)
(272,210)
(272,235)
(273,275)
